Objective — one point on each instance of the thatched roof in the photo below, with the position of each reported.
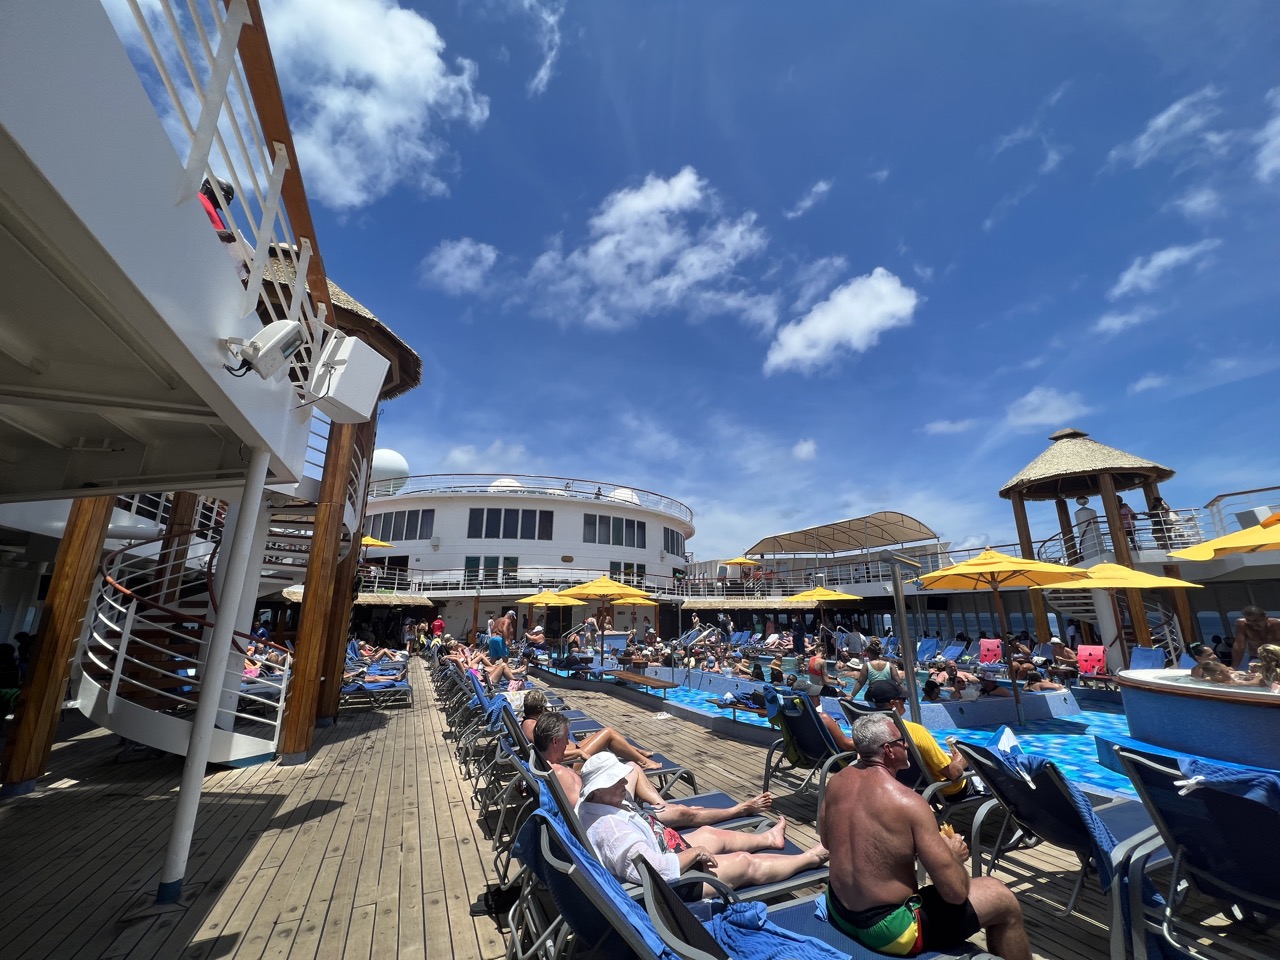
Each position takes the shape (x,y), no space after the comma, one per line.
(1072,465)
(354,318)
(883,529)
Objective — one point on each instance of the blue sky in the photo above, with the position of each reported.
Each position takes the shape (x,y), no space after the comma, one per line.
(791,263)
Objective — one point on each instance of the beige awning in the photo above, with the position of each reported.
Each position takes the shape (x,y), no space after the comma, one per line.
(382,598)
(883,529)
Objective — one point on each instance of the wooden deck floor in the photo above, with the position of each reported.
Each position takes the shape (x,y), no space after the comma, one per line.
(371,849)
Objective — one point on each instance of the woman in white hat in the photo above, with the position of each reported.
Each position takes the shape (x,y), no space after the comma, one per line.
(619,832)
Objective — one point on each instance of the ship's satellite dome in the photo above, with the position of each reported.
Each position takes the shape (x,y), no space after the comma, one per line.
(389,465)
(625,495)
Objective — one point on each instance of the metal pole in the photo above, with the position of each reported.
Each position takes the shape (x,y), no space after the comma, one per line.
(908,645)
(211,680)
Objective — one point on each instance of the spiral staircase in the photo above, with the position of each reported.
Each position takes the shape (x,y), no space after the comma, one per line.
(139,663)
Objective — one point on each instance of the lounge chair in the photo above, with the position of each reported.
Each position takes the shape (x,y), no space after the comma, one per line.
(926,650)
(1147,658)
(1093,666)
(805,743)
(376,693)
(953,651)
(991,653)
(1038,804)
(1223,831)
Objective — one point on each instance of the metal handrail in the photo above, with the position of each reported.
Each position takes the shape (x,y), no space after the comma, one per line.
(507,484)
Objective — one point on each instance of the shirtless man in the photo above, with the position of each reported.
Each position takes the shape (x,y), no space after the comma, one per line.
(551,739)
(1253,629)
(875,827)
(535,705)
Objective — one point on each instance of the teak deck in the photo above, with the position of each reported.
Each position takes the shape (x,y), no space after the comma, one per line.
(370,849)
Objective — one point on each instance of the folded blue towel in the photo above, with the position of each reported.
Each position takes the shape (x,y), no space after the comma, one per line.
(1253,783)
(746,933)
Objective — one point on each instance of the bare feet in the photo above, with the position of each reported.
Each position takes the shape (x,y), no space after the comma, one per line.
(820,853)
(757,804)
(776,836)
(648,764)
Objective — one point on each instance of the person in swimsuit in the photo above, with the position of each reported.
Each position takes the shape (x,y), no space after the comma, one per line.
(873,895)
(874,667)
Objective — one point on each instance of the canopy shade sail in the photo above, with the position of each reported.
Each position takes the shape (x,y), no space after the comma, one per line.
(602,588)
(549,598)
(821,595)
(1264,536)
(368,541)
(1113,576)
(883,529)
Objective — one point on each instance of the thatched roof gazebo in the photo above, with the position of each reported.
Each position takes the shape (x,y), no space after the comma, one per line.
(1075,466)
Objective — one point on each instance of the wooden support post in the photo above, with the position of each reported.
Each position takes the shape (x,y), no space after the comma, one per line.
(35,720)
(1124,557)
(1039,612)
(1182,606)
(1070,549)
(173,554)
(336,638)
(298,728)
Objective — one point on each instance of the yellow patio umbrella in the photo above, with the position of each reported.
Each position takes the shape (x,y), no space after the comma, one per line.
(549,598)
(1264,536)
(742,562)
(1112,576)
(820,595)
(991,570)
(374,542)
(602,588)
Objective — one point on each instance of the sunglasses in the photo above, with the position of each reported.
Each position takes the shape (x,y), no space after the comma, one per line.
(900,742)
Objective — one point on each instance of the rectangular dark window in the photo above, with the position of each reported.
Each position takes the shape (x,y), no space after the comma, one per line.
(510,524)
(544,524)
(630,534)
(380,523)
(493,524)
(640,544)
(368,525)
(411,525)
(528,524)
(427,525)
(617,531)
(490,569)
(475,524)
(615,570)
(510,569)
(397,526)
(588,528)
(640,571)
(471,571)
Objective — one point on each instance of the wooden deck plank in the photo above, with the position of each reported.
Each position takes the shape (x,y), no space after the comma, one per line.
(371,847)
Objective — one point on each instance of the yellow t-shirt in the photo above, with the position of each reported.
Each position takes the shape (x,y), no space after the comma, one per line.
(934,757)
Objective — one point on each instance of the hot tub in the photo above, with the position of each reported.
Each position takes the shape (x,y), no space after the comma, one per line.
(1171,709)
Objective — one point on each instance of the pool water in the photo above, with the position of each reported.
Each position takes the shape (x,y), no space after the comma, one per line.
(1067,741)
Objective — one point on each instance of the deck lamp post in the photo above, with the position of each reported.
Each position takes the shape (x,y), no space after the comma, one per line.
(895,560)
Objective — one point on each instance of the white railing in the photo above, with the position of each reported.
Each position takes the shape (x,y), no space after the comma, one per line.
(1093,538)
(515,484)
(185,52)
(140,647)
(1222,514)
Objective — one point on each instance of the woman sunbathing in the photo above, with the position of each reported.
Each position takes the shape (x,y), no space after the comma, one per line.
(619,833)
(535,705)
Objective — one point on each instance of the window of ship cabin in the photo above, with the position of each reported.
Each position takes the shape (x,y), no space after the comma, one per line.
(397,526)
(588,528)
(471,571)
(617,532)
(630,534)
(475,523)
(510,524)
(491,569)
(640,544)
(427,525)
(528,524)
(545,518)
(510,568)
(411,524)
(493,523)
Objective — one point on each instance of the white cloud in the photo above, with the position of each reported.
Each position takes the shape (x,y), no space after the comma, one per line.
(944,427)
(1147,273)
(1199,203)
(1034,131)
(924,273)
(662,246)
(1109,324)
(879,176)
(367,86)
(805,450)
(1044,407)
(498,457)
(1148,381)
(546,15)
(815,278)
(459,266)
(1005,204)
(1181,128)
(852,318)
(1267,162)
(813,196)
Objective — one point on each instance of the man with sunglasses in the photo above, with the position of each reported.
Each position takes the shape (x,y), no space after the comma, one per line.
(1254,629)
(875,828)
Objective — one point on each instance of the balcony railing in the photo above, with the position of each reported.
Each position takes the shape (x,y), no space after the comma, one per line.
(510,484)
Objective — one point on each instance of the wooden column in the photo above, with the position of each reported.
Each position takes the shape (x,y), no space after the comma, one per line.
(1039,612)
(1182,606)
(177,532)
(317,598)
(1120,547)
(1070,549)
(35,720)
(343,596)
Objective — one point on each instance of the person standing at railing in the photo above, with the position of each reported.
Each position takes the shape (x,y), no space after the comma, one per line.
(1162,520)
(1129,520)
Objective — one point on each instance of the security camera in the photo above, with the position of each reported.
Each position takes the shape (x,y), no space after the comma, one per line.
(269,350)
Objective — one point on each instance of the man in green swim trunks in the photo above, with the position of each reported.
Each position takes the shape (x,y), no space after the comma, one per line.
(875,828)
